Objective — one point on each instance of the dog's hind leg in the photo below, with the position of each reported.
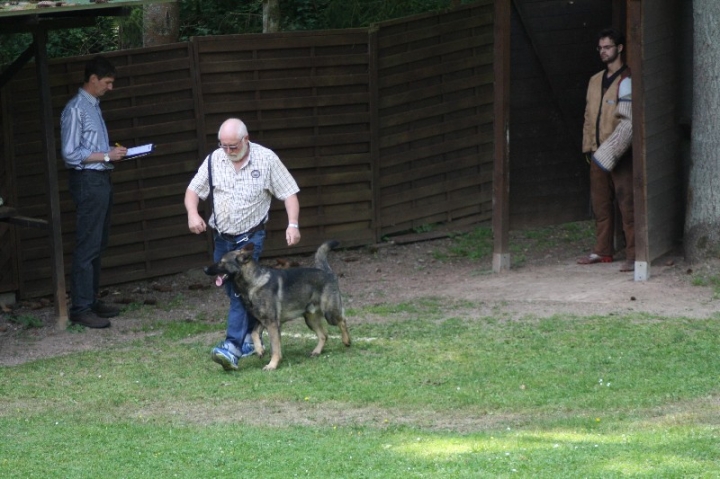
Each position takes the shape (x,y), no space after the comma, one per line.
(273,329)
(345,333)
(337,318)
(335,314)
(255,335)
(314,322)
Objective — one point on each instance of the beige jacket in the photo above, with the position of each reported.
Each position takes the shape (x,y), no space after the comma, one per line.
(600,111)
(620,141)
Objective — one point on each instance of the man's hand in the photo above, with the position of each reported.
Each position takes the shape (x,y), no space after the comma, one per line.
(117,153)
(196,224)
(292,235)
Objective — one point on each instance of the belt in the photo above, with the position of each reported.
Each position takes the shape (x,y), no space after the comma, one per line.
(107,171)
(242,236)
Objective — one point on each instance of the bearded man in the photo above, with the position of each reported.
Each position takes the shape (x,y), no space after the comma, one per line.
(240,178)
(607,137)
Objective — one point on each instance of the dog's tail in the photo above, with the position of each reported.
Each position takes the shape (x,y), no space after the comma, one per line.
(321,256)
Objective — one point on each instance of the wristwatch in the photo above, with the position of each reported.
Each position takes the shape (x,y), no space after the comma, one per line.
(106,158)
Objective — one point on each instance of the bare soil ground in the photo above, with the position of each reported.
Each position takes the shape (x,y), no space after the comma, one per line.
(547,281)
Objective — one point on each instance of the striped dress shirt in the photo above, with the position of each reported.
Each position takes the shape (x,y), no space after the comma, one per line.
(83,132)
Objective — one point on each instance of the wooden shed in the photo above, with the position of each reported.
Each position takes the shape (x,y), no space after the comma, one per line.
(552,58)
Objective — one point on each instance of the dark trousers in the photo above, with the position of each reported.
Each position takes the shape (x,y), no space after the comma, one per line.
(93,196)
(606,188)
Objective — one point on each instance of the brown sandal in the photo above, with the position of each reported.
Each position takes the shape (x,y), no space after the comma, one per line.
(593,258)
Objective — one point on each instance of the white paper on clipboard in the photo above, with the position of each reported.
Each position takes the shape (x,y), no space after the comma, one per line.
(137,151)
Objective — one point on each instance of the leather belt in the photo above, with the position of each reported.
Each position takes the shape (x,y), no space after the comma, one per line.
(242,236)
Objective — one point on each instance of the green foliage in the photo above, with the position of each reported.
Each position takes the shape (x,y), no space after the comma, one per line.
(11,46)
(102,37)
(305,14)
(130,29)
(220,17)
(362,13)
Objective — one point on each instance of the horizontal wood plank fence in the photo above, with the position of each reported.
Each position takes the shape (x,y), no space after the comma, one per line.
(385,129)
(435,119)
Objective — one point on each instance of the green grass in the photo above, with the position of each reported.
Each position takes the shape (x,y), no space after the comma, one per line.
(478,243)
(432,391)
(27,321)
(475,245)
(712,280)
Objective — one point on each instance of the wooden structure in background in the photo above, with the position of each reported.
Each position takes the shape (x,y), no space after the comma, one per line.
(655,34)
(501,129)
(553,58)
(387,129)
(38,21)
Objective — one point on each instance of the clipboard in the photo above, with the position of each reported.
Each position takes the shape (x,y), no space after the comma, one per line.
(139,151)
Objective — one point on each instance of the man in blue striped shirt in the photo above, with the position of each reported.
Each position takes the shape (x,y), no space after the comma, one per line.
(88,157)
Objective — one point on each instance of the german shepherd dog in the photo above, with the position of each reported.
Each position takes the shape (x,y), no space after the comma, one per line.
(275,296)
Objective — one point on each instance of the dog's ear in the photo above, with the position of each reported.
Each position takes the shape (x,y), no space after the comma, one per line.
(243,256)
(249,247)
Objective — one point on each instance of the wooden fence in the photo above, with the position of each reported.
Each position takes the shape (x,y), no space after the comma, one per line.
(385,130)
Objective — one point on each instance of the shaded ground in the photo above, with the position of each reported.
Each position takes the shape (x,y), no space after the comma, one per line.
(545,280)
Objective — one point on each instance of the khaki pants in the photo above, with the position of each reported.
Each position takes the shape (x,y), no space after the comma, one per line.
(606,188)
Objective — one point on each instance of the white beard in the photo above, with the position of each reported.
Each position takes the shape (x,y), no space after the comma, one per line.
(240,154)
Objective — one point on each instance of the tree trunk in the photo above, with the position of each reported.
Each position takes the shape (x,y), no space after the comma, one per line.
(271,16)
(702,223)
(161,23)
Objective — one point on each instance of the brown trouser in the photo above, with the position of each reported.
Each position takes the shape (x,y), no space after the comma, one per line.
(605,189)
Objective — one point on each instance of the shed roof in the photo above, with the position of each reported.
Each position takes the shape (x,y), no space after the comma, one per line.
(53,8)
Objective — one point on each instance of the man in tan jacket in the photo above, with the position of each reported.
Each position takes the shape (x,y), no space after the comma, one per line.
(607,136)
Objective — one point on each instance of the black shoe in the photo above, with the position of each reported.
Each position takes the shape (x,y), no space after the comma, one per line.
(89,319)
(104,310)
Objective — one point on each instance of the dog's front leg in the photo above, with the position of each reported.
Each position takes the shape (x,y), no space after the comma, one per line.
(255,335)
(273,329)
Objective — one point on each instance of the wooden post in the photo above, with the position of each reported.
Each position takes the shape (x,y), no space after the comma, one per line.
(501,170)
(373,70)
(51,176)
(635,62)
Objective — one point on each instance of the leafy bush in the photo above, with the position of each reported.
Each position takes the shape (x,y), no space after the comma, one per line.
(220,17)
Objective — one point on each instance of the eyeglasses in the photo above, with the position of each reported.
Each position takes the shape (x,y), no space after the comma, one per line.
(229,147)
(606,48)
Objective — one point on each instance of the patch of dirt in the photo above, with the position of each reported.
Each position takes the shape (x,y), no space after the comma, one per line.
(545,281)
